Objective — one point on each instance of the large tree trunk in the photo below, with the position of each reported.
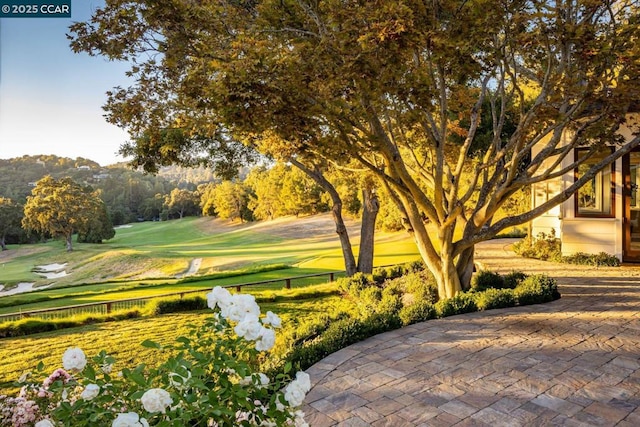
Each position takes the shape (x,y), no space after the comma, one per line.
(371,207)
(3,245)
(67,239)
(442,263)
(336,211)
(464,267)
(343,235)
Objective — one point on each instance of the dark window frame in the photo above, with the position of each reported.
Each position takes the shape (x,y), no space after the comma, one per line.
(612,186)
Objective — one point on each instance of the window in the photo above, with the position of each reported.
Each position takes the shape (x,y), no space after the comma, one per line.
(595,198)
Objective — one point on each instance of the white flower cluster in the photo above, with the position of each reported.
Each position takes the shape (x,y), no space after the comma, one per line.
(156,400)
(297,389)
(241,313)
(74,360)
(90,392)
(243,309)
(129,419)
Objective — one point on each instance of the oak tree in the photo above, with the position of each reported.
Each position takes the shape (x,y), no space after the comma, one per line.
(182,202)
(398,86)
(63,207)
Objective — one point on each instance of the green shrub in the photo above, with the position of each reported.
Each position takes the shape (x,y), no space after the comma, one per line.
(369,299)
(25,327)
(355,284)
(513,279)
(486,280)
(418,285)
(340,334)
(33,326)
(422,285)
(395,271)
(311,329)
(544,247)
(495,298)
(379,275)
(390,303)
(417,312)
(461,303)
(601,259)
(536,289)
(177,305)
(417,265)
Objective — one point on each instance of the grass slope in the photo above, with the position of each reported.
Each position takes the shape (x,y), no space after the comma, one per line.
(144,259)
(162,250)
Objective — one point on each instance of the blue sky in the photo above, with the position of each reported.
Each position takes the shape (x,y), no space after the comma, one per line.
(51,98)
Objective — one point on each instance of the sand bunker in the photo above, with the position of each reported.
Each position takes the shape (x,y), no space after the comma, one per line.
(21,288)
(51,271)
(49,268)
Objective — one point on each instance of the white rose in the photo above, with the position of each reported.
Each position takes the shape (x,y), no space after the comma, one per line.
(219,296)
(267,340)
(294,395)
(90,392)
(241,305)
(249,328)
(74,359)
(272,319)
(44,423)
(295,392)
(264,380)
(304,381)
(246,381)
(129,419)
(156,400)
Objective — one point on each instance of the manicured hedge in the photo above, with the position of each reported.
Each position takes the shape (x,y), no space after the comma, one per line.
(34,326)
(387,311)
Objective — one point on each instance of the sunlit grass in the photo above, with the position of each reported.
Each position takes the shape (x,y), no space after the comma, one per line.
(166,249)
(122,338)
(149,256)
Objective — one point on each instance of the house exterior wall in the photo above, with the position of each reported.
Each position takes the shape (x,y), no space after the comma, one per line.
(582,234)
(594,235)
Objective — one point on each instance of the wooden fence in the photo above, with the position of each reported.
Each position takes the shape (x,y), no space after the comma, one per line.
(106,307)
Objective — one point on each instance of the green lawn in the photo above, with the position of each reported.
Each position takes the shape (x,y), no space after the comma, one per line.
(122,338)
(161,250)
(144,259)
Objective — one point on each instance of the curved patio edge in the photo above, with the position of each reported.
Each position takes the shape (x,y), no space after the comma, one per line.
(574,361)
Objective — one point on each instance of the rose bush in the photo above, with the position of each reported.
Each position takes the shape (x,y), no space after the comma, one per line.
(209,378)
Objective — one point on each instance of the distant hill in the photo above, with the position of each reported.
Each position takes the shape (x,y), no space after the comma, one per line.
(129,195)
(19,175)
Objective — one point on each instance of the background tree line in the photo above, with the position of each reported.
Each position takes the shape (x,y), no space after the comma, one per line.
(259,192)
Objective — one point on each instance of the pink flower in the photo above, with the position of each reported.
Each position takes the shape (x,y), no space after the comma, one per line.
(58,374)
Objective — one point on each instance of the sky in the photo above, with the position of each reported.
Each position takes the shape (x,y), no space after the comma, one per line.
(50,97)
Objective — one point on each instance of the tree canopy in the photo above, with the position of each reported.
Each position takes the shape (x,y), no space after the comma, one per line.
(10,219)
(63,207)
(401,87)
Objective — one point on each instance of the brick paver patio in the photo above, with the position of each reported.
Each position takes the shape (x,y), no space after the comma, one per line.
(572,362)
